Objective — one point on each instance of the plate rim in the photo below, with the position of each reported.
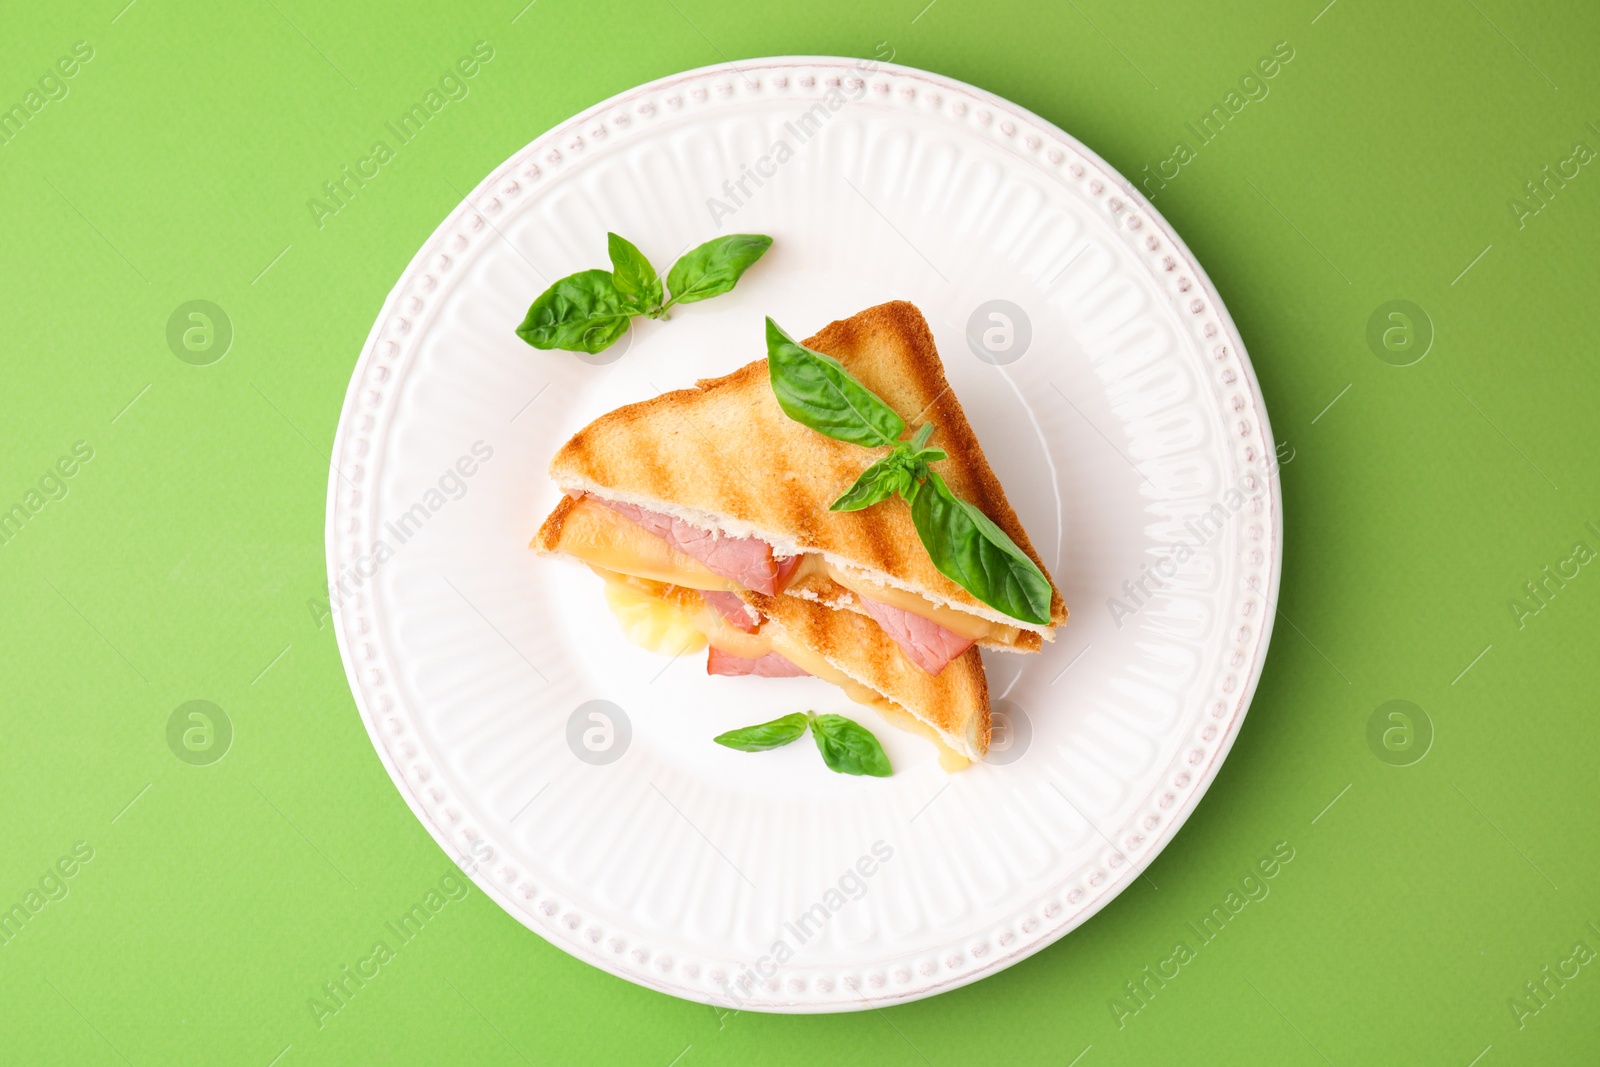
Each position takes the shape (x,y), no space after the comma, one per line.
(922,986)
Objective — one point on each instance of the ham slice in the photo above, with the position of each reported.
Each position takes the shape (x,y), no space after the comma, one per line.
(925,643)
(771,665)
(746,560)
(786,568)
(732,610)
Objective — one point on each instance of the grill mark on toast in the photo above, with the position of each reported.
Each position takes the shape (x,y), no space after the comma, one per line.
(656,471)
(796,511)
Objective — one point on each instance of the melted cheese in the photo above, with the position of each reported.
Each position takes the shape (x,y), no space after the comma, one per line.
(602,538)
(949,759)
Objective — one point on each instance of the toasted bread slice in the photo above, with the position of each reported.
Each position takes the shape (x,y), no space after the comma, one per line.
(724,456)
(954,703)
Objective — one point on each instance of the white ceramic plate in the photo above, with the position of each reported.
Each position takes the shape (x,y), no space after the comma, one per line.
(1128,416)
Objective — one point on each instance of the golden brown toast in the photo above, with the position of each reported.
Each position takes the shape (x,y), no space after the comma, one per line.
(725,456)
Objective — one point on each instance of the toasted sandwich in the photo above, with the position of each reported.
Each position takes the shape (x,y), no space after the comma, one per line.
(714,491)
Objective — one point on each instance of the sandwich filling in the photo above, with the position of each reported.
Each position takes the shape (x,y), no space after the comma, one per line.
(745,560)
(734,612)
(631,539)
(771,665)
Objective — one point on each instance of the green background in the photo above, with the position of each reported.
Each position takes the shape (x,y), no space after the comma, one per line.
(179,565)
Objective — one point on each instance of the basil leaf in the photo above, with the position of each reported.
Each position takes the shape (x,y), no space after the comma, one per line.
(848,747)
(878,482)
(920,440)
(931,455)
(714,267)
(774,734)
(816,391)
(977,555)
(633,275)
(582,312)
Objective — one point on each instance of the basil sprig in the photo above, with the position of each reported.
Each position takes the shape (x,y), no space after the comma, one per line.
(895,473)
(965,546)
(590,310)
(847,747)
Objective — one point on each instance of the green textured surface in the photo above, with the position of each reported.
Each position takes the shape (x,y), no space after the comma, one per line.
(179,562)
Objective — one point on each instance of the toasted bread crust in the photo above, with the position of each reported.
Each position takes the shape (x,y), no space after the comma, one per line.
(693,448)
(955,702)
(549,535)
